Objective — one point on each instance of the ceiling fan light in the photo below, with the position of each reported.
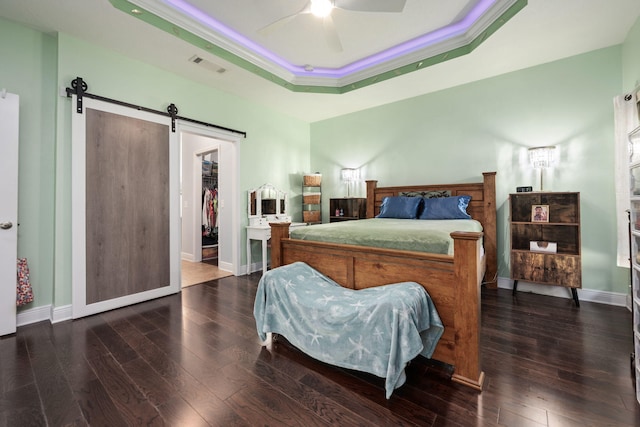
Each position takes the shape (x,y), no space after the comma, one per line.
(321,8)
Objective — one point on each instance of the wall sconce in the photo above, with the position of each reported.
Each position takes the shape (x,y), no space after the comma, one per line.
(350,176)
(542,158)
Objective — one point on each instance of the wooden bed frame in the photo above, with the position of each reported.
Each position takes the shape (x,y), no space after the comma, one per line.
(453,282)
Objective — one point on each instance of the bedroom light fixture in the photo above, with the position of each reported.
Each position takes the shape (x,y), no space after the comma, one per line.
(349,175)
(321,8)
(542,158)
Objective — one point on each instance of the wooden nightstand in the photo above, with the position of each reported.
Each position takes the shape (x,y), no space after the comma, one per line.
(347,209)
(545,239)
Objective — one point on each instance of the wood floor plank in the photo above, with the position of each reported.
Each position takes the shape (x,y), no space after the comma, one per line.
(372,413)
(201,368)
(120,350)
(261,405)
(131,403)
(15,367)
(315,401)
(97,406)
(21,407)
(336,394)
(177,412)
(60,406)
(190,389)
(154,388)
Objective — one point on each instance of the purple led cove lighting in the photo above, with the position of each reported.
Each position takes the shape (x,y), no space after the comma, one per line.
(421,42)
(210,22)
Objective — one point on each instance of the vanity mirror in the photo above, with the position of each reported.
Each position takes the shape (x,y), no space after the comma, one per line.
(267,204)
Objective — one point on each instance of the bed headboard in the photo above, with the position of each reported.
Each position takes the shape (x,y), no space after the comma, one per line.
(482,207)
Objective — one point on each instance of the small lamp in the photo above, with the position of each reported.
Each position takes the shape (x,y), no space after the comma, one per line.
(349,176)
(542,158)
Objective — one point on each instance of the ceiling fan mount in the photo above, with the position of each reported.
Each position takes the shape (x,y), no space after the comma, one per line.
(323,8)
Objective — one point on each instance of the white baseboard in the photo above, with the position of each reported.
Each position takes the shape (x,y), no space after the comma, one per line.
(225,266)
(187,257)
(42,313)
(591,295)
(60,314)
(250,268)
(255,266)
(33,315)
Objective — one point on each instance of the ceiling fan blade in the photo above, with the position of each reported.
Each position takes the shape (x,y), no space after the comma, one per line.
(284,20)
(331,34)
(371,5)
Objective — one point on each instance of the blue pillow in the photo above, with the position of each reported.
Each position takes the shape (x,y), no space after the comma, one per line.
(446,208)
(400,207)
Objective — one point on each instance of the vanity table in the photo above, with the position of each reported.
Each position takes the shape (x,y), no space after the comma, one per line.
(266,204)
(263,233)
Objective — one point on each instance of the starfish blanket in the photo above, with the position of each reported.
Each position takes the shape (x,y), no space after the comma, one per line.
(376,330)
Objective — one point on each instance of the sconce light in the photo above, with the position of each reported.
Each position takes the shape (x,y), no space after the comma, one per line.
(542,158)
(349,176)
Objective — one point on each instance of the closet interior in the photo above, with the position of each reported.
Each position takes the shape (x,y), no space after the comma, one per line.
(210,207)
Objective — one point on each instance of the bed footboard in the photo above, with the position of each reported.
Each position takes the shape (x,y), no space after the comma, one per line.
(452,282)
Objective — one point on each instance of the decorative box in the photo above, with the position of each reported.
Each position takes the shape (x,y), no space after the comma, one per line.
(311,216)
(538,246)
(312,180)
(311,198)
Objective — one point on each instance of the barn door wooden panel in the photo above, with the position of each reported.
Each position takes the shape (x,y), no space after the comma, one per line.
(127,205)
(125,246)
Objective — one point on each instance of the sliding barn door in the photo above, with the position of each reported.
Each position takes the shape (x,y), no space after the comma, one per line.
(125,213)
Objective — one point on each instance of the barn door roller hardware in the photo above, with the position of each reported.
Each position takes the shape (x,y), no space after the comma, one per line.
(79,89)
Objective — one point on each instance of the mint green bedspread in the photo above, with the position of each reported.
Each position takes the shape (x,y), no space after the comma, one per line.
(432,236)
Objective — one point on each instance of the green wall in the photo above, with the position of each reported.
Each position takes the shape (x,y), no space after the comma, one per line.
(28,69)
(456,134)
(631,58)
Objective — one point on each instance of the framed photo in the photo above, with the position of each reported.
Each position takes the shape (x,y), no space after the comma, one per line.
(540,213)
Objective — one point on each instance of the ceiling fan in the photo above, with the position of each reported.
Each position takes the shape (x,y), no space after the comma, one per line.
(323,8)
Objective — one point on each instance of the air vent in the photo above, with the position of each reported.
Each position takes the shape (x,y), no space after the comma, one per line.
(207,64)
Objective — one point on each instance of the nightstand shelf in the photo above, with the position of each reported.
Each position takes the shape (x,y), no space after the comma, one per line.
(347,209)
(545,239)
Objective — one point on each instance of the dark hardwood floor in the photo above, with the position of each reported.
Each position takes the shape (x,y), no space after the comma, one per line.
(193,359)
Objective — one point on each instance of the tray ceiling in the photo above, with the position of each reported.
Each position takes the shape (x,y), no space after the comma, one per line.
(296,52)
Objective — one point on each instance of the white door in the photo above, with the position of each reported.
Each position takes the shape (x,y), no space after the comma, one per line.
(9,108)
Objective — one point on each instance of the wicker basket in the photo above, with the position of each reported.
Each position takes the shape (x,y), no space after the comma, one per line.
(312,180)
(311,216)
(311,199)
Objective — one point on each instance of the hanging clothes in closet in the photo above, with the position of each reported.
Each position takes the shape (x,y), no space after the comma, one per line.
(210,212)
(209,203)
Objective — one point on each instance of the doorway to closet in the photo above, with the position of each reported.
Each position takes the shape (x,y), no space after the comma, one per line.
(208,178)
